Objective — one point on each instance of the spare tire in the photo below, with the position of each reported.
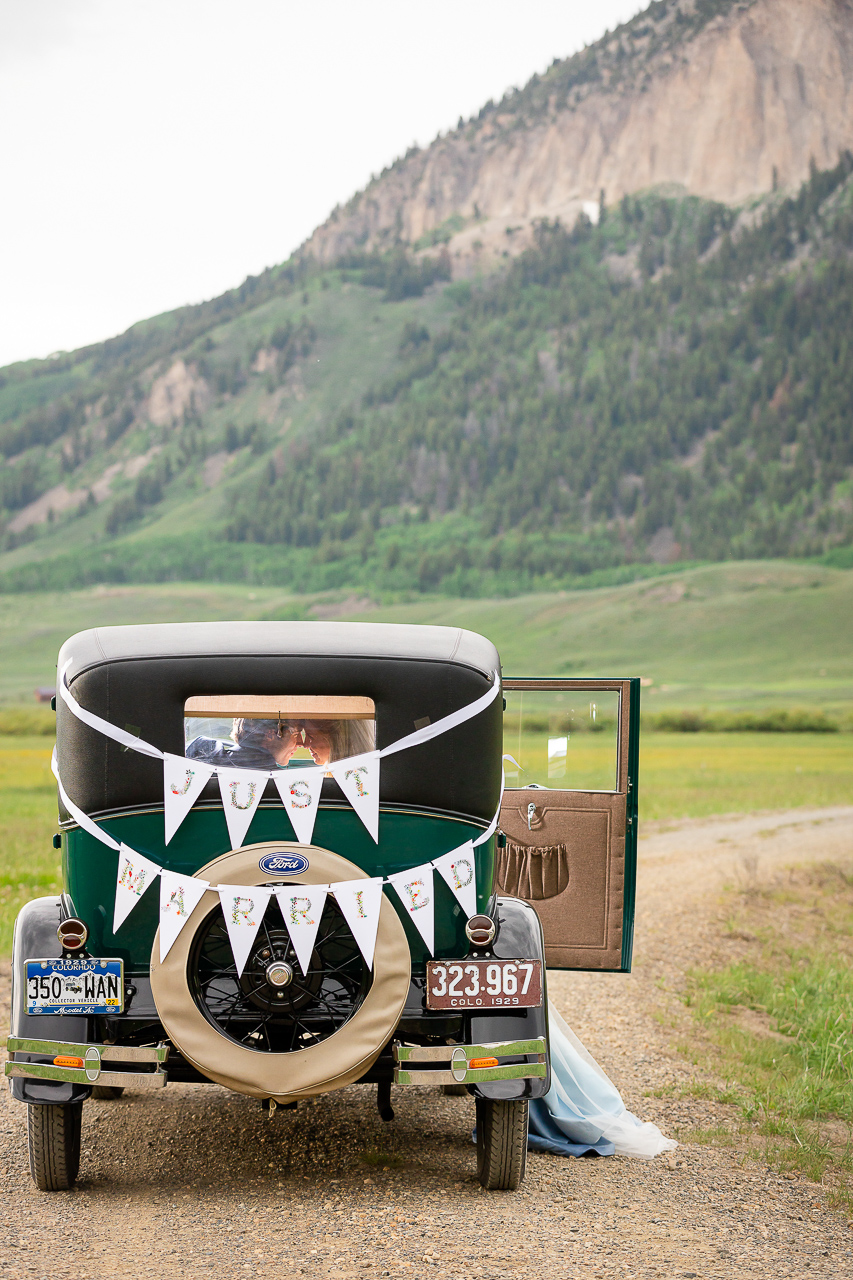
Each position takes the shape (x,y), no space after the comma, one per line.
(333,1023)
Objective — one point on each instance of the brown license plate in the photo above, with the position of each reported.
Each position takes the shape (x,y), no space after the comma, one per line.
(483,984)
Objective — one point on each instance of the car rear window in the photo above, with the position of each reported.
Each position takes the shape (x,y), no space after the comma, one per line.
(278,732)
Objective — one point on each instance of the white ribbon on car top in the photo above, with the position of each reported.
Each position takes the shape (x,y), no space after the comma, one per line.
(184,779)
(360,901)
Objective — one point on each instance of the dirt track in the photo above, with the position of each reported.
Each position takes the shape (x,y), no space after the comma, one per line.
(197,1181)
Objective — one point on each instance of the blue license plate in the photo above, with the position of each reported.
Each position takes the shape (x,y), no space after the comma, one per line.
(75,986)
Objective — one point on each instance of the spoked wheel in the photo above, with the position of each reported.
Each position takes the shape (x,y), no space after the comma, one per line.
(53,1134)
(272,1006)
(501,1143)
(272,1031)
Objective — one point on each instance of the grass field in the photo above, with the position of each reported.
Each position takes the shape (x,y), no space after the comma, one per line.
(29,865)
(777,1024)
(694,775)
(681,775)
(750,634)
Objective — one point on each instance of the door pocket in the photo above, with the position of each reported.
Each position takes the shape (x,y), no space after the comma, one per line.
(533,873)
(565,855)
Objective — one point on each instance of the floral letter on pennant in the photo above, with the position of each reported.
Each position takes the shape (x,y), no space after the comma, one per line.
(358,778)
(415,890)
(302,908)
(183,783)
(135,875)
(243,906)
(241,791)
(300,794)
(458,870)
(179,896)
(361,901)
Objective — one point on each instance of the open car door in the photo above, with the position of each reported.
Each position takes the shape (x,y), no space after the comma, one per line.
(569,815)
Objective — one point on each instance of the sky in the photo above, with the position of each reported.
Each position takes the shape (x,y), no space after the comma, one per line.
(156,152)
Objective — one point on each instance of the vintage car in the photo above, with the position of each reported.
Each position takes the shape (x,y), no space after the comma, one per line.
(285,960)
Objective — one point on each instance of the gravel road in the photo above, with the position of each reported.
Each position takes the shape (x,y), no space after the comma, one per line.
(195,1181)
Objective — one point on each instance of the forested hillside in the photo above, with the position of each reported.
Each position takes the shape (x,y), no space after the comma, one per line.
(654,383)
(673,383)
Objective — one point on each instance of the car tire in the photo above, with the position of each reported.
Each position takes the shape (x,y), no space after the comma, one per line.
(107,1092)
(53,1134)
(501,1143)
(342,1058)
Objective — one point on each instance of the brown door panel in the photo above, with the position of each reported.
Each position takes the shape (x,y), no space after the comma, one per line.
(567,859)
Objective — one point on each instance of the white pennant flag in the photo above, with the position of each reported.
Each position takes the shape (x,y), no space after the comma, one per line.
(135,875)
(300,794)
(183,782)
(179,896)
(417,894)
(361,901)
(241,794)
(458,870)
(358,778)
(302,907)
(243,906)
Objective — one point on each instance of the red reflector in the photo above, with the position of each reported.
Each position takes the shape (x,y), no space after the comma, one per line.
(64,1061)
(477,1063)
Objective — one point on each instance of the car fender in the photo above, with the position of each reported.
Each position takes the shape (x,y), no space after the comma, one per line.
(34,939)
(519,937)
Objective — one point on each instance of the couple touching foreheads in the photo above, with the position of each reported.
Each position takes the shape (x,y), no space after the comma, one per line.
(271,744)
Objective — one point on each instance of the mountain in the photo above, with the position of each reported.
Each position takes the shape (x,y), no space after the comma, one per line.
(666,380)
(712,98)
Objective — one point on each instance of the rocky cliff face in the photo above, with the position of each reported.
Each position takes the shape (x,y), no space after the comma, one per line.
(721,98)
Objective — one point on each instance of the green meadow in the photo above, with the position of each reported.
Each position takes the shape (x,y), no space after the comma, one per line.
(737,635)
(29,865)
(749,635)
(681,775)
(775,1025)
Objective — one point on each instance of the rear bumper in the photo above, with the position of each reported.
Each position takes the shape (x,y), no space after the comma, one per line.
(449,1064)
(413,1064)
(34,1060)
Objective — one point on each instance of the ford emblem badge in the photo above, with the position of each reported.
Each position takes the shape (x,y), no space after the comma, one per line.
(286,864)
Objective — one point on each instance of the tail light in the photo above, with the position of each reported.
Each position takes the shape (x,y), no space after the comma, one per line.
(481,931)
(72,934)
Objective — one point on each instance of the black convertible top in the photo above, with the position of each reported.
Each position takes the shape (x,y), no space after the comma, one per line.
(139,678)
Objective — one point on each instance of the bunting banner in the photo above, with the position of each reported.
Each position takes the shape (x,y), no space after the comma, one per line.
(457,869)
(358,778)
(416,891)
(184,778)
(360,902)
(243,907)
(300,794)
(136,873)
(241,791)
(183,782)
(301,907)
(179,896)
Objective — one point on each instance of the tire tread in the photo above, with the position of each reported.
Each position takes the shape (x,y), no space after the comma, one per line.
(501,1143)
(53,1133)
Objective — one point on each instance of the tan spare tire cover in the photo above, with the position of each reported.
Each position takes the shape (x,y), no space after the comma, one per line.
(337,1061)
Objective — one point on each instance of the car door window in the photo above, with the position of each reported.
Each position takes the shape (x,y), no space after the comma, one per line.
(568,817)
(564,738)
